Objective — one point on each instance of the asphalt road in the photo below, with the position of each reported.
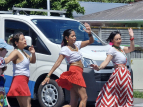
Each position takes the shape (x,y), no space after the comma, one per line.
(138,102)
(13,102)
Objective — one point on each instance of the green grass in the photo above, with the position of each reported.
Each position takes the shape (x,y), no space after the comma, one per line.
(138,94)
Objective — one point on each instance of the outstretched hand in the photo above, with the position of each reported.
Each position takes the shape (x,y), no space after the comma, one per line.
(95,67)
(46,80)
(88,28)
(131,33)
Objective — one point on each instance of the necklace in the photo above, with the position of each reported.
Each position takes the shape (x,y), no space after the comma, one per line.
(73,48)
(119,48)
(23,52)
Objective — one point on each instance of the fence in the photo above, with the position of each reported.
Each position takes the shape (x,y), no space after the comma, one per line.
(104,32)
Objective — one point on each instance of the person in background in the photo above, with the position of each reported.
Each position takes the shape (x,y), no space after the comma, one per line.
(118,90)
(73,79)
(3,51)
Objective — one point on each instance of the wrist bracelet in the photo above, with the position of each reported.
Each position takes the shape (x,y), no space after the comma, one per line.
(90,35)
(132,38)
(99,67)
(48,76)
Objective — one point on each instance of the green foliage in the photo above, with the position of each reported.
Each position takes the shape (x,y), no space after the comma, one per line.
(110,1)
(1,1)
(138,94)
(69,5)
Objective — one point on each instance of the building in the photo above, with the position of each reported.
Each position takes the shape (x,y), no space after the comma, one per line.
(119,18)
(93,7)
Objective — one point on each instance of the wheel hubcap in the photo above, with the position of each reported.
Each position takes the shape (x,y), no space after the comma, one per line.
(49,95)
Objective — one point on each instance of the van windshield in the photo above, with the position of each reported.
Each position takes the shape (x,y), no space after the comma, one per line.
(53,29)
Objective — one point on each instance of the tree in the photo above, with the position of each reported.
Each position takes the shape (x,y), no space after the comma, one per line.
(69,5)
(110,1)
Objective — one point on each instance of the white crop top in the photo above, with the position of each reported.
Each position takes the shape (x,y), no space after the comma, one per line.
(118,57)
(22,68)
(72,56)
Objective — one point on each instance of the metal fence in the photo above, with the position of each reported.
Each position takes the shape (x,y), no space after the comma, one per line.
(104,32)
(136,54)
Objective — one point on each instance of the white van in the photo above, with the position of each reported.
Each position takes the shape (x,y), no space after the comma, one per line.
(46,37)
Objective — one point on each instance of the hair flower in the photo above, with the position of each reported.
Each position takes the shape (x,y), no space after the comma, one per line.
(111,43)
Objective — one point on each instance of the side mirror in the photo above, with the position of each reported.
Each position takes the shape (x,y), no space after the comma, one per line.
(28,40)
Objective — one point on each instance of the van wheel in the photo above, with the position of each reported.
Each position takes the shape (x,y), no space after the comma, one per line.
(50,95)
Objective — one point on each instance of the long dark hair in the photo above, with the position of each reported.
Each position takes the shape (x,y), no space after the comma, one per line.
(112,35)
(14,38)
(66,33)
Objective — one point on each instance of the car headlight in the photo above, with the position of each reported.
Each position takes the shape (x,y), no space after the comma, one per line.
(87,62)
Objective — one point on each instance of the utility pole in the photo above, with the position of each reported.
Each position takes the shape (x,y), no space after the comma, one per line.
(48,7)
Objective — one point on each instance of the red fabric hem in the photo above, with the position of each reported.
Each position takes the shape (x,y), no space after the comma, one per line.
(73,76)
(18,95)
(117,91)
(19,86)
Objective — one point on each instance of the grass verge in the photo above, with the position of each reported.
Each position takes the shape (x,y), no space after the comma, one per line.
(138,94)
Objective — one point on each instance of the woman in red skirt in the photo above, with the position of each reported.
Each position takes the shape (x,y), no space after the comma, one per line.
(21,60)
(73,79)
(117,91)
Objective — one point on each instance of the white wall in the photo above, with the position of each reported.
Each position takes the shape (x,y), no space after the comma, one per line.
(137,67)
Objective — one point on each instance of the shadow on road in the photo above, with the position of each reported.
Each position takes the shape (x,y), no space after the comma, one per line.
(13,102)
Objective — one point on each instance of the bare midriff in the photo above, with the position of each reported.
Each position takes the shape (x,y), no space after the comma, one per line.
(77,63)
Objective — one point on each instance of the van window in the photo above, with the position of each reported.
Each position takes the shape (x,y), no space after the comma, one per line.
(53,29)
(38,44)
(11,27)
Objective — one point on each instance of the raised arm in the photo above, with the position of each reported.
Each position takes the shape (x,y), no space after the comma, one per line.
(103,64)
(91,40)
(131,48)
(13,55)
(56,65)
(32,51)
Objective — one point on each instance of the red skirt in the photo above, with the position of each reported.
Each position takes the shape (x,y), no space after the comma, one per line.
(19,86)
(117,91)
(73,76)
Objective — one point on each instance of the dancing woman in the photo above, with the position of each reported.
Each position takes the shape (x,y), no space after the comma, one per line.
(117,91)
(21,60)
(73,79)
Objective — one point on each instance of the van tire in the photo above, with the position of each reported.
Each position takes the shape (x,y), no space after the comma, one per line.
(54,91)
